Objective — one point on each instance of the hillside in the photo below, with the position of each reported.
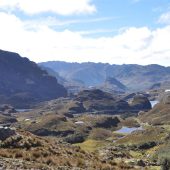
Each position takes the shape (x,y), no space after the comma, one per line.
(134,77)
(23,83)
(160,114)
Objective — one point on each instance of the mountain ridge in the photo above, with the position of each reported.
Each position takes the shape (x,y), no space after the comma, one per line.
(135,77)
(23,82)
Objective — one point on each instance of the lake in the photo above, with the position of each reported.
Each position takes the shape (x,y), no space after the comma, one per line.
(128,130)
(23,110)
(153,103)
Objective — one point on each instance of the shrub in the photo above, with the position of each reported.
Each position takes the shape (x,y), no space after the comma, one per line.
(165,164)
(18,155)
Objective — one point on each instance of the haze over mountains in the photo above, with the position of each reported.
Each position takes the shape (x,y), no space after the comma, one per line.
(126,77)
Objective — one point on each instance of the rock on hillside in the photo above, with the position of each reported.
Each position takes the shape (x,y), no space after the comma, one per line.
(99,102)
(140,102)
(23,83)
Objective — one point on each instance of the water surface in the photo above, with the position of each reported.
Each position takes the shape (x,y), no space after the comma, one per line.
(128,130)
(153,103)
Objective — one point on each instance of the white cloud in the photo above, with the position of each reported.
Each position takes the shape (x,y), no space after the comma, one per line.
(165,18)
(62,7)
(132,45)
(54,21)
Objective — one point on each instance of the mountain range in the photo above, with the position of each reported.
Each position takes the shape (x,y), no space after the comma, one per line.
(127,77)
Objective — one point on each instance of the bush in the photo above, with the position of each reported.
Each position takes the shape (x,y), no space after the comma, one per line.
(165,164)
(75,138)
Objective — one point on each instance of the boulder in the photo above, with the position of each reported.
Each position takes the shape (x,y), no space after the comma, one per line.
(140,102)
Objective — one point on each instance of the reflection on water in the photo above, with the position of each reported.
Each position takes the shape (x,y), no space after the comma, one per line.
(128,130)
(23,110)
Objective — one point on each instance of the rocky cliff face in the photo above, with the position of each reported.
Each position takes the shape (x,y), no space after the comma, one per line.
(23,83)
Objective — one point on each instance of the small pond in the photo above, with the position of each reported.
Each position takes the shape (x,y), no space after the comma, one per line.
(23,110)
(128,130)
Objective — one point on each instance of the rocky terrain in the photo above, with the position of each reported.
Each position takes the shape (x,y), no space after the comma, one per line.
(72,134)
(91,129)
(23,83)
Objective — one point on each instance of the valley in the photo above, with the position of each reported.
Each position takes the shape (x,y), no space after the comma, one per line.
(110,126)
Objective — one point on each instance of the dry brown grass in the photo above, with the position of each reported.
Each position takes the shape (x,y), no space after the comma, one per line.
(51,153)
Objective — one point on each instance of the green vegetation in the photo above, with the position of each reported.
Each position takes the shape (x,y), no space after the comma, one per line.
(91,145)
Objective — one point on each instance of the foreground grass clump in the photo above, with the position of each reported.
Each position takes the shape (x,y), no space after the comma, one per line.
(48,153)
(91,145)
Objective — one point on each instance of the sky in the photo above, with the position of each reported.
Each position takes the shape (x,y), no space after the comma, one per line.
(108,31)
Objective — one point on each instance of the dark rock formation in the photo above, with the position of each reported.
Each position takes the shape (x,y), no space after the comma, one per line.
(23,83)
(6,133)
(95,94)
(108,122)
(140,102)
(46,132)
(100,102)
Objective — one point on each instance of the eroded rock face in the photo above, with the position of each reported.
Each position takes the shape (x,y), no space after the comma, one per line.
(23,83)
(6,133)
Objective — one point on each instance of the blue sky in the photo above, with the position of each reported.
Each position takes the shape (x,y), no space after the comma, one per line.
(114,31)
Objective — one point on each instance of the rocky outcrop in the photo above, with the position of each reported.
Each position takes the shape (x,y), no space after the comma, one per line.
(23,83)
(6,133)
(140,102)
(100,102)
(108,122)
